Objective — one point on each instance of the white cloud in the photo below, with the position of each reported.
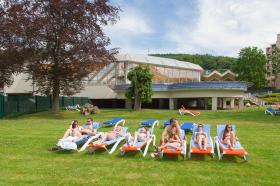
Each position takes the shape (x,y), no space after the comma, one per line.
(133,24)
(224,27)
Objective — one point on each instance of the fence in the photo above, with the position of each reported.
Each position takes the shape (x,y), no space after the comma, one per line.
(27,103)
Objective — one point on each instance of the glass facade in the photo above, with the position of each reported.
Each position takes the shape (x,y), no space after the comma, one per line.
(115,74)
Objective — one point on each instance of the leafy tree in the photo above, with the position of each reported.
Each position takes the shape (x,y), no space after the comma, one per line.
(276,63)
(64,38)
(250,66)
(141,86)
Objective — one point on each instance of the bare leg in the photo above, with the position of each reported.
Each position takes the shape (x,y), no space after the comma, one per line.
(200,143)
(174,145)
(205,143)
(232,139)
(135,138)
(227,142)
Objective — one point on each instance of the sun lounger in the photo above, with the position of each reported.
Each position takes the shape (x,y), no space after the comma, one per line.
(194,149)
(182,151)
(72,143)
(272,112)
(89,138)
(149,123)
(140,145)
(115,121)
(222,149)
(105,145)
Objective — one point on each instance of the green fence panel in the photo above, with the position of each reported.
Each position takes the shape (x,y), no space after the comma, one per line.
(84,100)
(77,100)
(2,104)
(43,103)
(11,105)
(26,103)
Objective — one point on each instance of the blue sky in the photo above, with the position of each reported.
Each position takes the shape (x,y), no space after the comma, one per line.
(218,27)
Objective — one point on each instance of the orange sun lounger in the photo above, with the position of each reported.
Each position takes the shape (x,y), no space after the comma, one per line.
(194,149)
(222,149)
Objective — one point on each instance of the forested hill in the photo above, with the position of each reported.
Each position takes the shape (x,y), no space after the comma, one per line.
(206,61)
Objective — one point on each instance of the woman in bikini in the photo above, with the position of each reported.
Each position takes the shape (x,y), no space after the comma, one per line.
(73,131)
(200,137)
(111,135)
(141,136)
(229,138)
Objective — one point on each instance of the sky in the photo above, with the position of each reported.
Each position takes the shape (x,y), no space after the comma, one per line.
(217,27)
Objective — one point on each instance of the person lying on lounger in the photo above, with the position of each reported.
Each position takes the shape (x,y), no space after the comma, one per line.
(139,136)
(111,135)
(200,137)
(88,128)
(229,138)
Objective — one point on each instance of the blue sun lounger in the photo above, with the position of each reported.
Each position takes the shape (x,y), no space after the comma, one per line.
(186,126)
(272,112)
(149,123)
(105,145)
(115,121)
(222,148)
(141,144)
(89,138)
(194,149)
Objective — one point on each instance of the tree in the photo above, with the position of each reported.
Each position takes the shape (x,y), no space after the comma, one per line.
(276,63)
(141,86)
(250,66)
(64,38)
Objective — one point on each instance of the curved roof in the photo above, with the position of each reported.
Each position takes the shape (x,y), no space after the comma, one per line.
(203,85)
(159,61)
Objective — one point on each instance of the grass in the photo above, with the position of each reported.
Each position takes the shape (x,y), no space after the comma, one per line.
(24,159)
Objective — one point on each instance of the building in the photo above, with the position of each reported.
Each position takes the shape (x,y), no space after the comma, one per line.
(175,83)
(272,81)
(217,76)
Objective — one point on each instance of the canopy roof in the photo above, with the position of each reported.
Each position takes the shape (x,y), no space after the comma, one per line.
(158,61)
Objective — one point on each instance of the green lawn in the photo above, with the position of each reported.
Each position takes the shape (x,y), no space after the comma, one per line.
(25,160)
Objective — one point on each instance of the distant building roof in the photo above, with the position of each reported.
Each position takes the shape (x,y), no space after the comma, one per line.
(166,62)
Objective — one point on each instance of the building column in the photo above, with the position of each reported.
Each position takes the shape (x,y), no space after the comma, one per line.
(224,103)
(241,103)
(214,103)
(128,104)
(231,103)
(172,103)
(160,103)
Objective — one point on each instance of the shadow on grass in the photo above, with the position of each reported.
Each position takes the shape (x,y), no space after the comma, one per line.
(232,159)
(198,157)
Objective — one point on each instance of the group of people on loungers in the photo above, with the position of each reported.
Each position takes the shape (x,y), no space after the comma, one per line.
(170,138)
